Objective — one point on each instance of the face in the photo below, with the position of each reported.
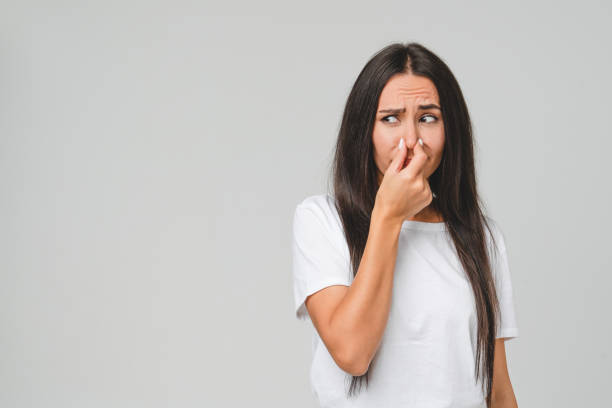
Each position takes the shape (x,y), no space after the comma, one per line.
(403,116)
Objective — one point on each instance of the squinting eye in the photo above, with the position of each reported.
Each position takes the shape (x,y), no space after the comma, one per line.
(390,116)
(425,116)
(431,116)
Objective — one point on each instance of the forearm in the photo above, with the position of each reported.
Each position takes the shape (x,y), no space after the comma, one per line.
(503,400)
(362,315)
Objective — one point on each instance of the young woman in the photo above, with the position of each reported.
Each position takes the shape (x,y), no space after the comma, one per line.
(403,275)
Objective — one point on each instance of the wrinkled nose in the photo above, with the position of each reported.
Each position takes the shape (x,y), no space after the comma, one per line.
(410,135)
(410,142)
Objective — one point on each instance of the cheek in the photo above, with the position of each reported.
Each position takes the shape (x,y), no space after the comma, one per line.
(435,140)
(384,146)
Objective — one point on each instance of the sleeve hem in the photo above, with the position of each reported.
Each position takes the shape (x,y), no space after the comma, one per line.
(508,333)
(300,307)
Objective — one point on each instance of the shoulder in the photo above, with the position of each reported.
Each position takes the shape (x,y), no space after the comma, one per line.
(322,207)
(495,236)
(320,202)
(319,213)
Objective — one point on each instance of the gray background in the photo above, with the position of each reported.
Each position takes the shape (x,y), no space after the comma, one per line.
(152,154)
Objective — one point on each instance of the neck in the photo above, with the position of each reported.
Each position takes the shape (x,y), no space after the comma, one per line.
(427,214)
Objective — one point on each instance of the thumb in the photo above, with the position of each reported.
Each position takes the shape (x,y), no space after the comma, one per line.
(400,156)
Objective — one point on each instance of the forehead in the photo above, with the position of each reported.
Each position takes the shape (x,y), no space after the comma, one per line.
(408,88)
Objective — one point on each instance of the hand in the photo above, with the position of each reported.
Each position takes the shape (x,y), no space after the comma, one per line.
(404,191)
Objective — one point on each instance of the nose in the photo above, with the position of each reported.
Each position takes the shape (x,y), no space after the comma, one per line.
(410,135)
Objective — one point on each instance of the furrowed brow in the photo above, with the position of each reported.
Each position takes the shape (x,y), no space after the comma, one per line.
(395,111)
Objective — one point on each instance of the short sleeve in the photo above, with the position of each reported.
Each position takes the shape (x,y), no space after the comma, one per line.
(508,325)
(319,260)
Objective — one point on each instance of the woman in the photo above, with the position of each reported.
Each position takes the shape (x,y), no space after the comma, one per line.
(404,277)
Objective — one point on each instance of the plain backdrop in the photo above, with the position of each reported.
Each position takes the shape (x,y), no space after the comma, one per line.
(152,154)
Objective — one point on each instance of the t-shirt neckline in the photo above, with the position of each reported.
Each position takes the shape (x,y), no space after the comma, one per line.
(411,224)
(424,226)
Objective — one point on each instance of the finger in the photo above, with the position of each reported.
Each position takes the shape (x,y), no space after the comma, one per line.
(417,163)
(400,155)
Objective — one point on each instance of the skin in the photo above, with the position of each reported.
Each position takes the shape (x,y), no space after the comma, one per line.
(409,91)
(502,393)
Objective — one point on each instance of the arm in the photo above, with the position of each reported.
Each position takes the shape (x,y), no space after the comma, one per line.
(502,394)
(351,319)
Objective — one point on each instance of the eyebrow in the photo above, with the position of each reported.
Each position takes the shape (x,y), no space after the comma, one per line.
(402,110)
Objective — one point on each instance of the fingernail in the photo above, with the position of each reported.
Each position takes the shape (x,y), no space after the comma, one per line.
(401,143)
(420,141)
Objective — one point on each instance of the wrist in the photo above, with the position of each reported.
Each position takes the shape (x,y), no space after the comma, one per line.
(383,218)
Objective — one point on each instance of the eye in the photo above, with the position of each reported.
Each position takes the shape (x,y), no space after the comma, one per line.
(390,116)
(430,116)
(433,117)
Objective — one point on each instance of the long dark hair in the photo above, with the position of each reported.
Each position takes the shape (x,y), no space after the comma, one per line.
(355,182)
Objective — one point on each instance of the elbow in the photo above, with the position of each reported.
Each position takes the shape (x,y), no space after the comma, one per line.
(354,364)
(357,368)
(350,353)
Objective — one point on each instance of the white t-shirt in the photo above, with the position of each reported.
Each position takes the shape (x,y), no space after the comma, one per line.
(427,353)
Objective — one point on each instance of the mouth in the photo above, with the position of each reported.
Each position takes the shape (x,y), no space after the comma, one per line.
(408,159)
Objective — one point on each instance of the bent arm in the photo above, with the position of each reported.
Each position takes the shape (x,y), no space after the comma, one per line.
(351,320)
